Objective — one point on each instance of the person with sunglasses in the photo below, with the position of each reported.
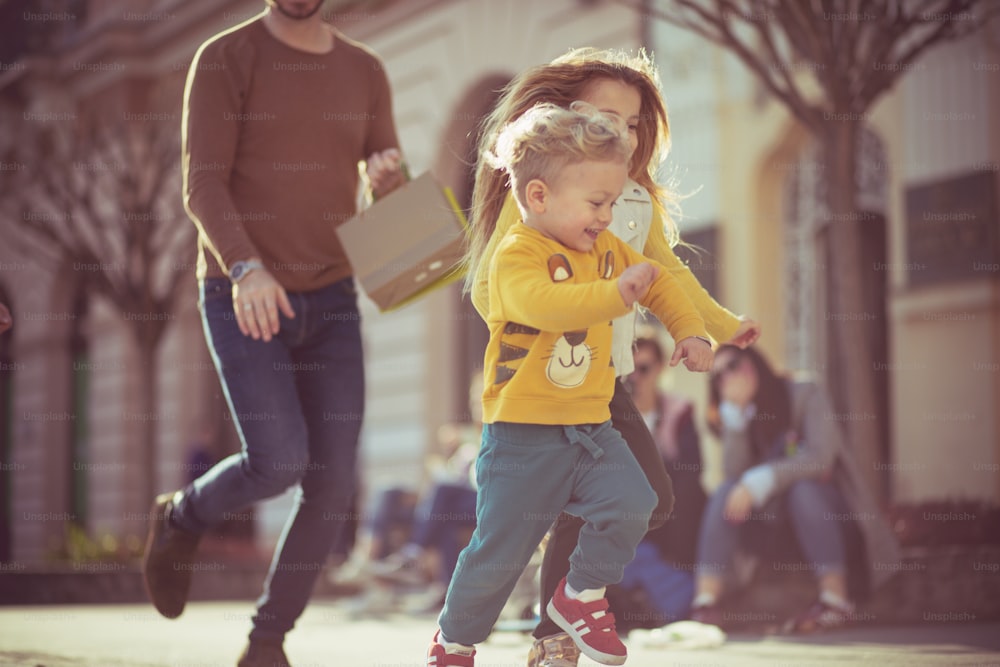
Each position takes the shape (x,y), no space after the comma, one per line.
(784,457)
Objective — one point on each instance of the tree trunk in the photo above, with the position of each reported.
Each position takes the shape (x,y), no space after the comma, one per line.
(150,417)
(855,406)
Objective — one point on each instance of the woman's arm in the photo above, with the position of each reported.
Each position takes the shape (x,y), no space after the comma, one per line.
(721,324)
(818,440)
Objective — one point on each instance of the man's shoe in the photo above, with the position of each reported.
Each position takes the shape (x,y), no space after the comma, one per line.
(438,657)
(590,624)
(166,564)
(554,651)
(263,653)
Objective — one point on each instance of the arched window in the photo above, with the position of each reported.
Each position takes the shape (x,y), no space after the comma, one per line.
(805,208)
(455,164)
(807,266)
(808,276)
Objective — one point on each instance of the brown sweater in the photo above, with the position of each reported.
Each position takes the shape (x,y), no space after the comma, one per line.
(272,137)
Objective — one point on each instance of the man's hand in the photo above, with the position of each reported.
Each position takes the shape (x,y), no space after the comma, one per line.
(747,334)
(256,300)
(384,172)
(696,353)
(634,282)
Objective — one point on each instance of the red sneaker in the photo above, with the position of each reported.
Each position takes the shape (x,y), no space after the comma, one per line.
(595,637)
(437,657)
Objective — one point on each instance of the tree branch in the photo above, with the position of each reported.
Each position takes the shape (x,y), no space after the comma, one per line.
(714,29)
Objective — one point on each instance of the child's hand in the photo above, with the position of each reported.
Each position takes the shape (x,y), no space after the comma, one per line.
(634,282)
(696,353)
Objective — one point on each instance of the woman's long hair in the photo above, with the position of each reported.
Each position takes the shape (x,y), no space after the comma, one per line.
(772,400)
(561,82)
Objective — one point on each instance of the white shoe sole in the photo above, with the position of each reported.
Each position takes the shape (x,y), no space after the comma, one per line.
(586,649)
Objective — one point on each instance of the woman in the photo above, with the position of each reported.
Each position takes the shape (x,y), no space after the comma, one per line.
(661,576)
(784,454)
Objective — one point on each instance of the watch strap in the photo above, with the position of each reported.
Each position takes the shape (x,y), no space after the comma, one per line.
(239,270)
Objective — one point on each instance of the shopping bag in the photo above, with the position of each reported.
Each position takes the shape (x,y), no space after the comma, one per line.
(406,244)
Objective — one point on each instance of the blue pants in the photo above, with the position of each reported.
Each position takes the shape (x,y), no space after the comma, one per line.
(393,510)
(296,403)
(815,509)
(669,589)
(527,475)
(440,519)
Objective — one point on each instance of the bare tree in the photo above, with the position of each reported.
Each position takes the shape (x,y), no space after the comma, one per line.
(828,62)
(102,194)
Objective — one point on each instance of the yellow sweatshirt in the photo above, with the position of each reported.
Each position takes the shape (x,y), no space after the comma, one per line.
(720,323)
(550,310)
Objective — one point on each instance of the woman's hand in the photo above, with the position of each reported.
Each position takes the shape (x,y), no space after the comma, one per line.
(384,172)
(256,300)
(747,334)
(739,503)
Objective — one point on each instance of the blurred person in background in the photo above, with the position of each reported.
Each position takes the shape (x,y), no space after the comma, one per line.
(278,113)
(785,459)
(441,522)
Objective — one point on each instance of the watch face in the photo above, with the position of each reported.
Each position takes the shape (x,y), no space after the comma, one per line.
(237,271)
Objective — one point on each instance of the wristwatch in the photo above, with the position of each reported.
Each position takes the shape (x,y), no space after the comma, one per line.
(239,270)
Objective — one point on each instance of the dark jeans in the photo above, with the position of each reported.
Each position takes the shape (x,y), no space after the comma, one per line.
(816,511)
(297,404)
(566,530)
(393,511)
(440,518)
(437,522)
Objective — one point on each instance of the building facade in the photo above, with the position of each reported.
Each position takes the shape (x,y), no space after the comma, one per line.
(72,437)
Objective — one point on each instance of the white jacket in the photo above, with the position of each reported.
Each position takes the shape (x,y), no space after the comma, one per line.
(631,220)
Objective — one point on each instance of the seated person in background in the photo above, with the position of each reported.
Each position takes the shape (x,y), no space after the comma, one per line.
(437,525)
(785,458)
(447,508)
(659,584)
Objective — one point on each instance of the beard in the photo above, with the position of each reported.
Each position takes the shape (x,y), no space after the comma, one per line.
(299,15)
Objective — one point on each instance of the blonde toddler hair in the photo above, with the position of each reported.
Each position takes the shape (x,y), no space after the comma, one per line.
(547,138)
(560,82)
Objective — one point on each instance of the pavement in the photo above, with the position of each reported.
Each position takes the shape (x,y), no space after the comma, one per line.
(212,634)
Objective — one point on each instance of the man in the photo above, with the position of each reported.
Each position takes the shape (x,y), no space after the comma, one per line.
(278,113)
